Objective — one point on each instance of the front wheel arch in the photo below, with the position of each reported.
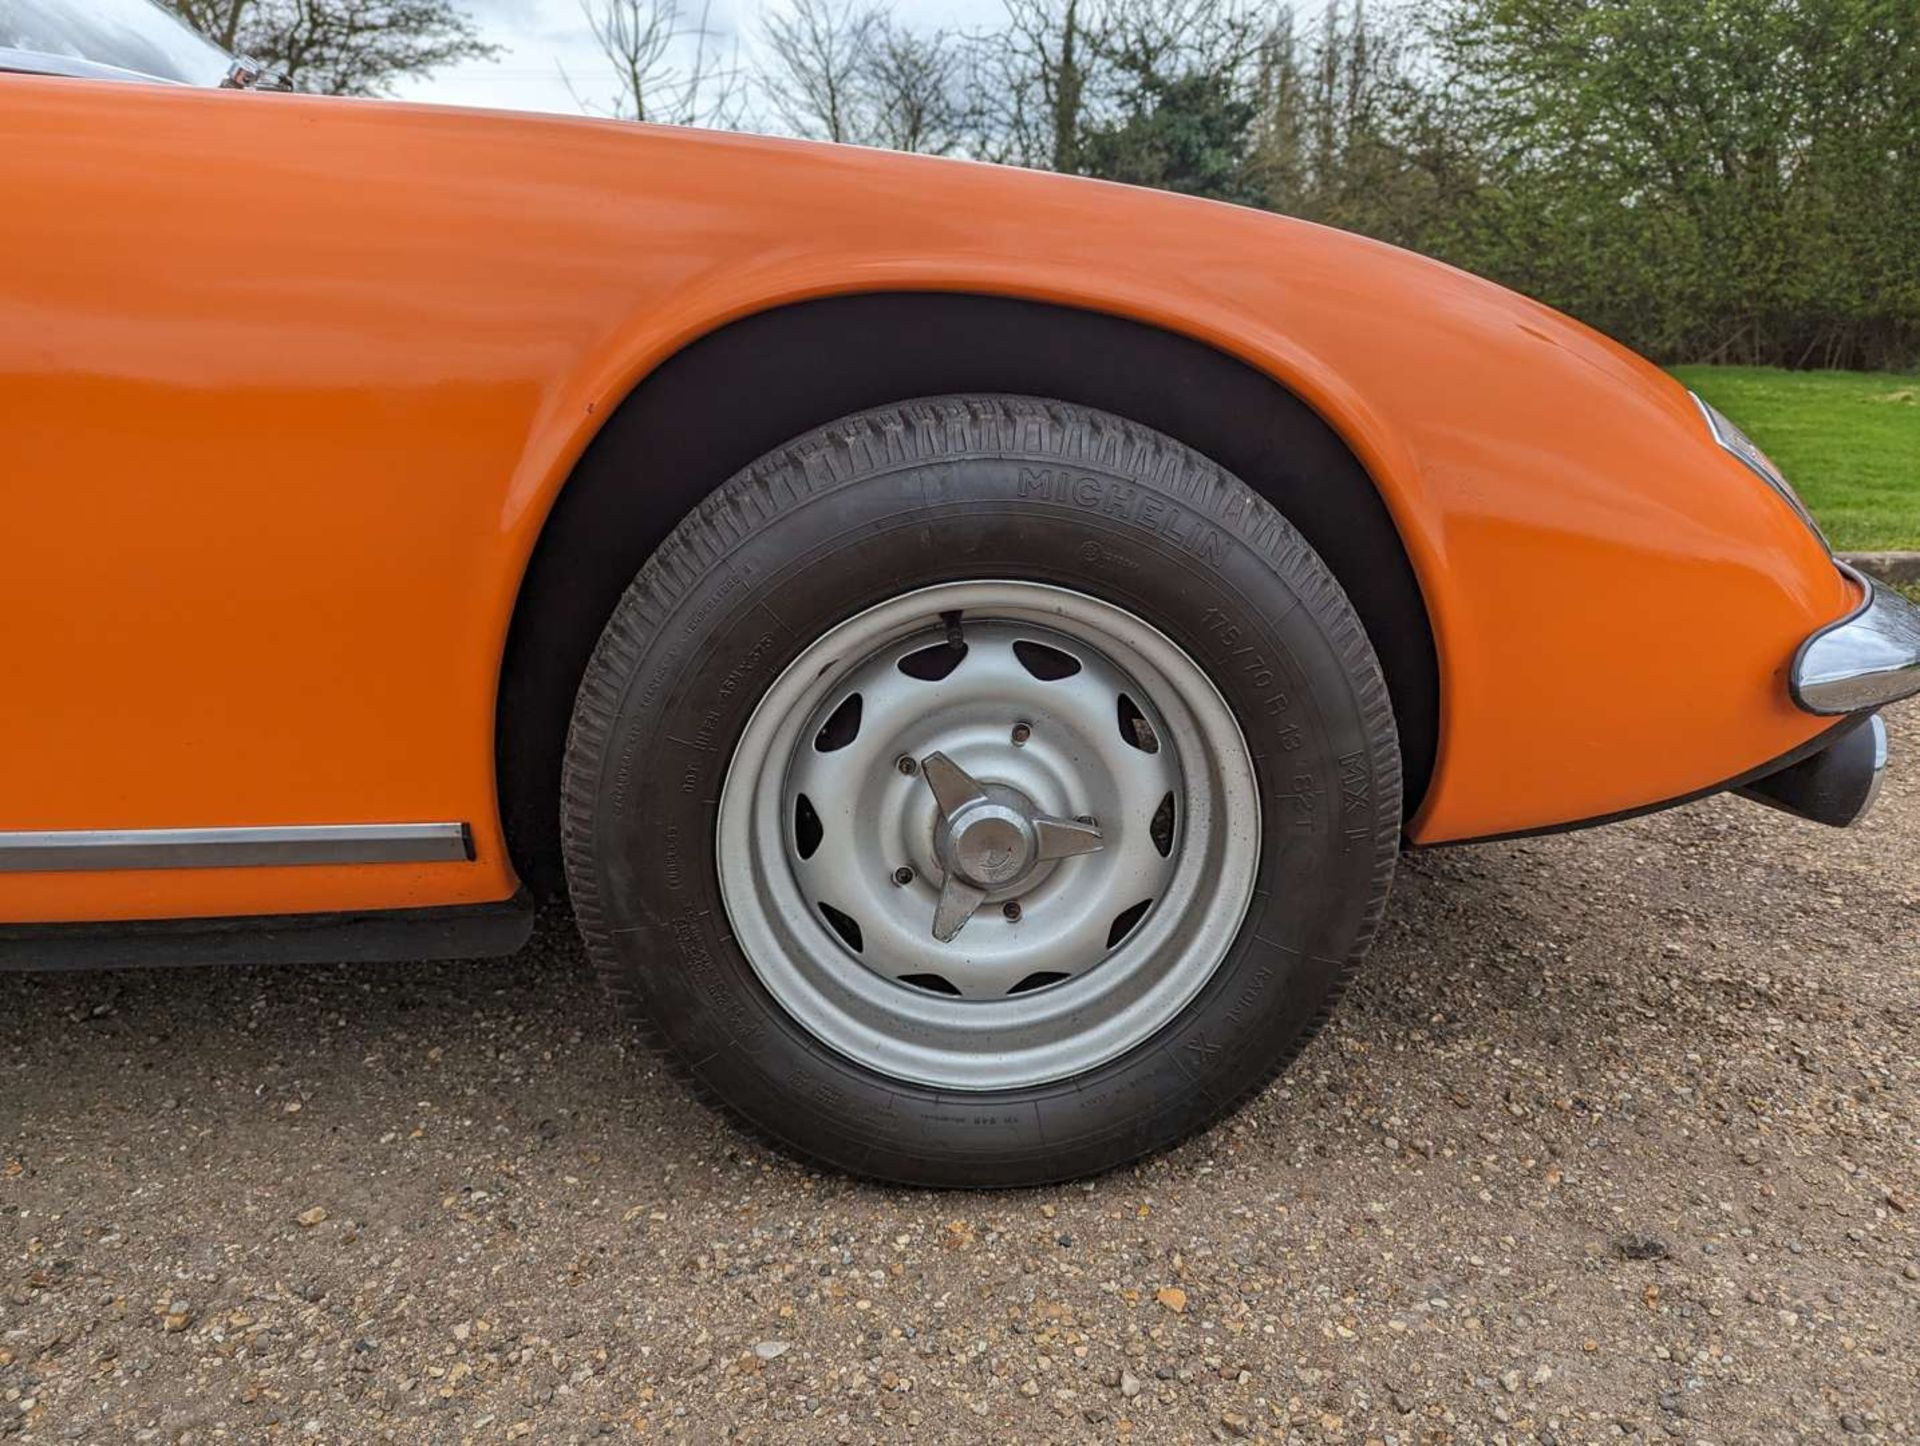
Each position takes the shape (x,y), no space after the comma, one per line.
(746,388)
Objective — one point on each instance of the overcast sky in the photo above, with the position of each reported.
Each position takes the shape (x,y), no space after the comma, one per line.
(540,38)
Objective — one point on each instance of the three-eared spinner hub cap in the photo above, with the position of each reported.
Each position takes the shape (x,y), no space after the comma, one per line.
(990,837)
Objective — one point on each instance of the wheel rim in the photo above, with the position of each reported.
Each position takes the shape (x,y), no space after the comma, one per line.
(1039,775)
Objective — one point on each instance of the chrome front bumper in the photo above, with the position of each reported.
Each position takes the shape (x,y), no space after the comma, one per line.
(1866,660)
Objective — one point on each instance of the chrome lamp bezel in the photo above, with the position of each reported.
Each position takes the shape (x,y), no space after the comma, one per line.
(1745,450)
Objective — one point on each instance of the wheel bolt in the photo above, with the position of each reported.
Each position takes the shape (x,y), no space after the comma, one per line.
(1012,910)
(906,764)
(903,875)
(1021,733)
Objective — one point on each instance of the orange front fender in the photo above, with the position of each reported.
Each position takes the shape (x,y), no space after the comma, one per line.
(289,386)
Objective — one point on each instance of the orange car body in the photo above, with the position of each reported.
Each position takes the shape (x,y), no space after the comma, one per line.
(288,387)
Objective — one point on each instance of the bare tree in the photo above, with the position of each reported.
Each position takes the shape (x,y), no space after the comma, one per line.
(341,47)
(218,20)
(821,55)
(918,90)
(1047,54)
(847,70)
(668,69)
(1183,36)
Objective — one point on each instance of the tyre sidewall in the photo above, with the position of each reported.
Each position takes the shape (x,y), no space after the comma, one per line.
(1185,547)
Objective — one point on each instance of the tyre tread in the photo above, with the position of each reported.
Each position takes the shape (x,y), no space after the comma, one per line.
(844,452)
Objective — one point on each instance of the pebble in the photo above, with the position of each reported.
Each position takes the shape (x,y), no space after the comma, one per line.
(1641,1247)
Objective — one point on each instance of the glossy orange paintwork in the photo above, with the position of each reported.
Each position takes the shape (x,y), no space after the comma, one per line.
(288,385)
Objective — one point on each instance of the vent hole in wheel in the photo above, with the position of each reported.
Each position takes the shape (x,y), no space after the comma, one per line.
(842,725)
(1039,980)
(844,926)
(932,664)
(1124,921)
(932,983)
(1047,664)
(807,831)
(1160,830)
(1135,730)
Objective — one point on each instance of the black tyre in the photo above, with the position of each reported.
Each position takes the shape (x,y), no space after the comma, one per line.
(981,791)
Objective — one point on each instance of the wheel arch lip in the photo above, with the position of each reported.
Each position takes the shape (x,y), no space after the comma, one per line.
(1382,447)
(640,347)
(1474,412)
(920,291)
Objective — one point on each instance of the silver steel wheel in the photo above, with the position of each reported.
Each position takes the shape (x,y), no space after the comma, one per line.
(988,835)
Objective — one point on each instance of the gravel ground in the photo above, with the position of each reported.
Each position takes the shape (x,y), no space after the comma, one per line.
(1618,1137)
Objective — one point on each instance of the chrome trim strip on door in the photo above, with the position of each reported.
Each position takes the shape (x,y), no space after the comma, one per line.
(70,850)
